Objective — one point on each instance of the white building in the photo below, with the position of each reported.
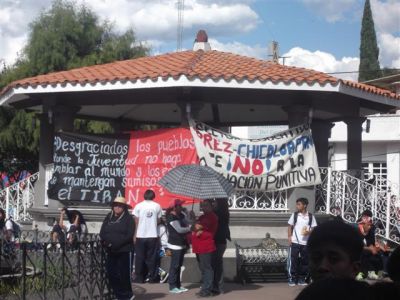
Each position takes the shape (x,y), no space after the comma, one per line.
(380,149)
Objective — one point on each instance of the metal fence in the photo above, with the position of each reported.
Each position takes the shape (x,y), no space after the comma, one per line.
(32,269)
(345,195)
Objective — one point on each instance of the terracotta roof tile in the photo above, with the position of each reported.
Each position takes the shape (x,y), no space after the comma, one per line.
(193,64)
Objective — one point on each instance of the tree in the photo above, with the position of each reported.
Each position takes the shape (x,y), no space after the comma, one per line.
(64,37)
(369,52)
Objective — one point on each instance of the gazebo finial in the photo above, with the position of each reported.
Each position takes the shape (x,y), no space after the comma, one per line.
(201,41)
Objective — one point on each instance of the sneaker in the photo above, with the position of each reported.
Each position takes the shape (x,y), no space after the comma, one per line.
(302,282)
(175,291)
(164,279)
(360,276)
(182,289)
(291,283)
(372,275)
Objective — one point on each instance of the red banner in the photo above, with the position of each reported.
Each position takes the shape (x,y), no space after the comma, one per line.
(151,155)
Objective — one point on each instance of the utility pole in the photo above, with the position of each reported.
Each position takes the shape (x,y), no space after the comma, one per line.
(181,9)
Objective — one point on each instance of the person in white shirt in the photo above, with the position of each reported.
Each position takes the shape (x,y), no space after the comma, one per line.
(300,226)
(147,216)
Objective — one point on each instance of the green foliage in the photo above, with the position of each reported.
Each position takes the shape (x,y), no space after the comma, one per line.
(369,52)
(67,36)
(64,37)
(19,140)
(94,127)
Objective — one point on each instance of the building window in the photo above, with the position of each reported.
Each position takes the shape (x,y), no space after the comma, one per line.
(376,173)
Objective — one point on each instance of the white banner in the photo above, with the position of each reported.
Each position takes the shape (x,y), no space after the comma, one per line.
(284,160)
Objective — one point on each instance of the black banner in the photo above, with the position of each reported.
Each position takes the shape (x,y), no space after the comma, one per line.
(88,168)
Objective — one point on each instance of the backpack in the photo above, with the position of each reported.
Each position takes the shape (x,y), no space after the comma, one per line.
(16,229)
(310,217)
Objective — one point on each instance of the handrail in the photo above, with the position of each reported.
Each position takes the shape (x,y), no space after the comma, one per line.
(18,198)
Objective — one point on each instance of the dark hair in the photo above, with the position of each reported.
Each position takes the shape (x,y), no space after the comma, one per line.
(302,200)
(222,208)
(339,233)
(149,195)
(367,213)
(2,211)
(335,288)
(394,265)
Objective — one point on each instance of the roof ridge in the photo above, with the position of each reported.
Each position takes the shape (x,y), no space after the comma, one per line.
(190,66)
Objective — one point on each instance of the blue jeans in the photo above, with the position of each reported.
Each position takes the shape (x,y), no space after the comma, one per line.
(207,272)
(174,278)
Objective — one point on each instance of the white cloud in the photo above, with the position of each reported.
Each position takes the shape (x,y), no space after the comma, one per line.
(15,15)
(158,19)
(331,10)
(297,57)
(239,48)
(154,21)
(387,25)
(386,15)
(323,62)
(389,50)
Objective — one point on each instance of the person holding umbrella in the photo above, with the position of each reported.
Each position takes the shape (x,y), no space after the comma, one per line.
(221,237)
(116,234)
(203,246)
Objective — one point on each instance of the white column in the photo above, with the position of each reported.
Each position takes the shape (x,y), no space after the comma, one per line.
(393,167)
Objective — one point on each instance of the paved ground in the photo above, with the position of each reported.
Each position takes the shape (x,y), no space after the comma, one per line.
(233,291)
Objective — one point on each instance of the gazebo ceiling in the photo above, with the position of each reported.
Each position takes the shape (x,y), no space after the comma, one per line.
(230,89)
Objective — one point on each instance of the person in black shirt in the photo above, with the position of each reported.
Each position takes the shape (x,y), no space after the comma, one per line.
(78,229)
(177,227)
(116,234)
(223,234)
(371,261)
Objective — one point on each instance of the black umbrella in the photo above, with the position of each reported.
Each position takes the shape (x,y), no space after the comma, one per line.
(200,182)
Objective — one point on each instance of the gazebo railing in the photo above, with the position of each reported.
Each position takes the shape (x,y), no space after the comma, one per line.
(18,198)
(339,193)
(253,200)
(347,196)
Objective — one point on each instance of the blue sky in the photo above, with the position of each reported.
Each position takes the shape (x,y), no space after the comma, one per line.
(317,34)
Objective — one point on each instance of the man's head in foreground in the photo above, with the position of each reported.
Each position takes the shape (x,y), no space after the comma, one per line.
(334,250)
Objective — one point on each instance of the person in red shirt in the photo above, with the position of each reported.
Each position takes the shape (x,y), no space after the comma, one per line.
(204,246)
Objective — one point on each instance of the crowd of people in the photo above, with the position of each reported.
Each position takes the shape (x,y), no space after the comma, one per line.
(153,235)
(333,259)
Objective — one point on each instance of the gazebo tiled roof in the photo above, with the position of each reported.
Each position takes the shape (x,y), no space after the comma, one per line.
(203,65)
